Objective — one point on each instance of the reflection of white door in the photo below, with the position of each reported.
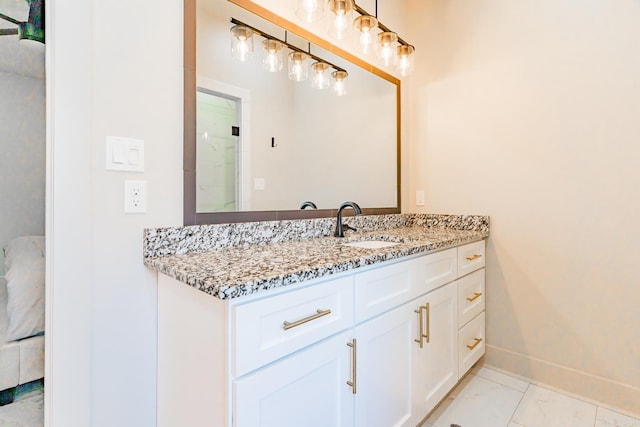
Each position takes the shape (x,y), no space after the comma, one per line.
(217,154)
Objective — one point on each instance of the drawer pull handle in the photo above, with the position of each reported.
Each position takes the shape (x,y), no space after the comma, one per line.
(352,382)
(420,326)
(475,296)
(474,257)
(475,344)
(288,325)
(428,334)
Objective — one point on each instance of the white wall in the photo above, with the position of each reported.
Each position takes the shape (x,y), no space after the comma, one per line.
(528,111)
(22,133)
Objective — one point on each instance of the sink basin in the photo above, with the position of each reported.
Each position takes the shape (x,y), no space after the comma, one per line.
(371,244)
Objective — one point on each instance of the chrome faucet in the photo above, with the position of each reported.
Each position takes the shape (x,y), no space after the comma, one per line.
(339,227)
(308,205)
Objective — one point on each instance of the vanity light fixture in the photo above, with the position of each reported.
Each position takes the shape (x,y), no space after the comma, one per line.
(241,42)
(340,21)
(389,47)
(310,10)
(339,84)
(320,75)
(298,70)
(272,59)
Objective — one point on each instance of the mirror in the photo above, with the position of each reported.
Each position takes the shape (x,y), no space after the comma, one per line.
(292,143)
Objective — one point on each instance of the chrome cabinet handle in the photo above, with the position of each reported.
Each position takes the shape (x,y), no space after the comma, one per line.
(319,313)
(474,257)
(475,296)
(352,382)
(475,344)
(420,328)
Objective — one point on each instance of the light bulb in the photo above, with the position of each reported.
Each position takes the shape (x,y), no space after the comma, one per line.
(405,60)
(272,60)
(365,25)
(339,84)
(241,43)
(320,78)
(310,10)
(341,22)
(298,67)
(386,48)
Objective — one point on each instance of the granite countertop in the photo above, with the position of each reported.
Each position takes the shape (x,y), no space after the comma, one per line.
(242,270)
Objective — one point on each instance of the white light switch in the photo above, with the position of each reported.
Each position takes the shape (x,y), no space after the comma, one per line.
(125,154)
(420,198)
(259,184)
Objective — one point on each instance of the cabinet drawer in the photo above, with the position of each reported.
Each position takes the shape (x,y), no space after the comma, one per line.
(470,344)
(270,328)
(470,258)
(433,271)
(383,288)
(470,296)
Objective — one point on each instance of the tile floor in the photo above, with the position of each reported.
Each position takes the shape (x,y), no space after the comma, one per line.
(488,398)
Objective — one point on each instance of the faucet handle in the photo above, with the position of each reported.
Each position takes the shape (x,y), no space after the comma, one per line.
(348,227)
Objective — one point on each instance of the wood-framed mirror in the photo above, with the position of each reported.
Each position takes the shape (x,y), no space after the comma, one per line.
(296,144)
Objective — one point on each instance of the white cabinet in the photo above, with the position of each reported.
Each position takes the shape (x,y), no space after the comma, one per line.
(384,368)
(379,346)
(307,389)
(435,367)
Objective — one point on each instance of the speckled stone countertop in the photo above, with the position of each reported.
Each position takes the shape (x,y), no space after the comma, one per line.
(247,266)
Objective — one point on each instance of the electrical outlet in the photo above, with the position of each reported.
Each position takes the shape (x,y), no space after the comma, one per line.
(420,198)
(135,196)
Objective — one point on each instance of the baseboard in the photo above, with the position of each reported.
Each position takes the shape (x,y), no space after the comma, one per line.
(604,392)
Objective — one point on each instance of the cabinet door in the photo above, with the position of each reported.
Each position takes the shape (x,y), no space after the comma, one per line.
(309,389)
(436,363)
(384,377)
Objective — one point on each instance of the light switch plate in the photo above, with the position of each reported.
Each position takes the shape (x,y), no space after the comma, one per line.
(420,198)
(125,154)
(259,184)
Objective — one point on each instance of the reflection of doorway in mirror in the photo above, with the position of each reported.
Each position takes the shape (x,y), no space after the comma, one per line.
(217,154)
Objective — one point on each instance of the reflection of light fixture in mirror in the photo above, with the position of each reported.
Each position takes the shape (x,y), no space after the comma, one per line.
(340,22)
(320,75)
(339,84)
(366,26)
(310,10)
(405,60)
(241,42)
(385,47)
(298,67)
(272,59)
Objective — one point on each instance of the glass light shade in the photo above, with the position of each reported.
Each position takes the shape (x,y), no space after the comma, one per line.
(404,65)
(298,70)
(339,82)
(386,48)
(272,55)
(321,79)
(340,22)
(241,43)
(310,10)
(365,26)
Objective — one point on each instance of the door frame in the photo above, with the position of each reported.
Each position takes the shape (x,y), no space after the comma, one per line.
(243,98)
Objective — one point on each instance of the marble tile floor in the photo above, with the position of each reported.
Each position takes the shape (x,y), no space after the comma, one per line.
(488,398)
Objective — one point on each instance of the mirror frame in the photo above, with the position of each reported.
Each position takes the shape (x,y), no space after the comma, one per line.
(190,216)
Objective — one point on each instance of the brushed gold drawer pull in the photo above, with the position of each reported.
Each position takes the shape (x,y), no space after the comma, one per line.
(428,334)
(474,257)
(475,296)
(475,344)
(288,325)
(420,328)
(352,382)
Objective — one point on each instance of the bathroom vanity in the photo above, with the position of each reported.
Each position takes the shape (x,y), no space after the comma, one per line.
(315,332)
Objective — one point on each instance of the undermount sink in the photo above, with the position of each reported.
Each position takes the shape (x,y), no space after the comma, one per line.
(371,244)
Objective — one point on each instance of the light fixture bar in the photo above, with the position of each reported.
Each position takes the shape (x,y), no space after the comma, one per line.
(286,43)
(383,27)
